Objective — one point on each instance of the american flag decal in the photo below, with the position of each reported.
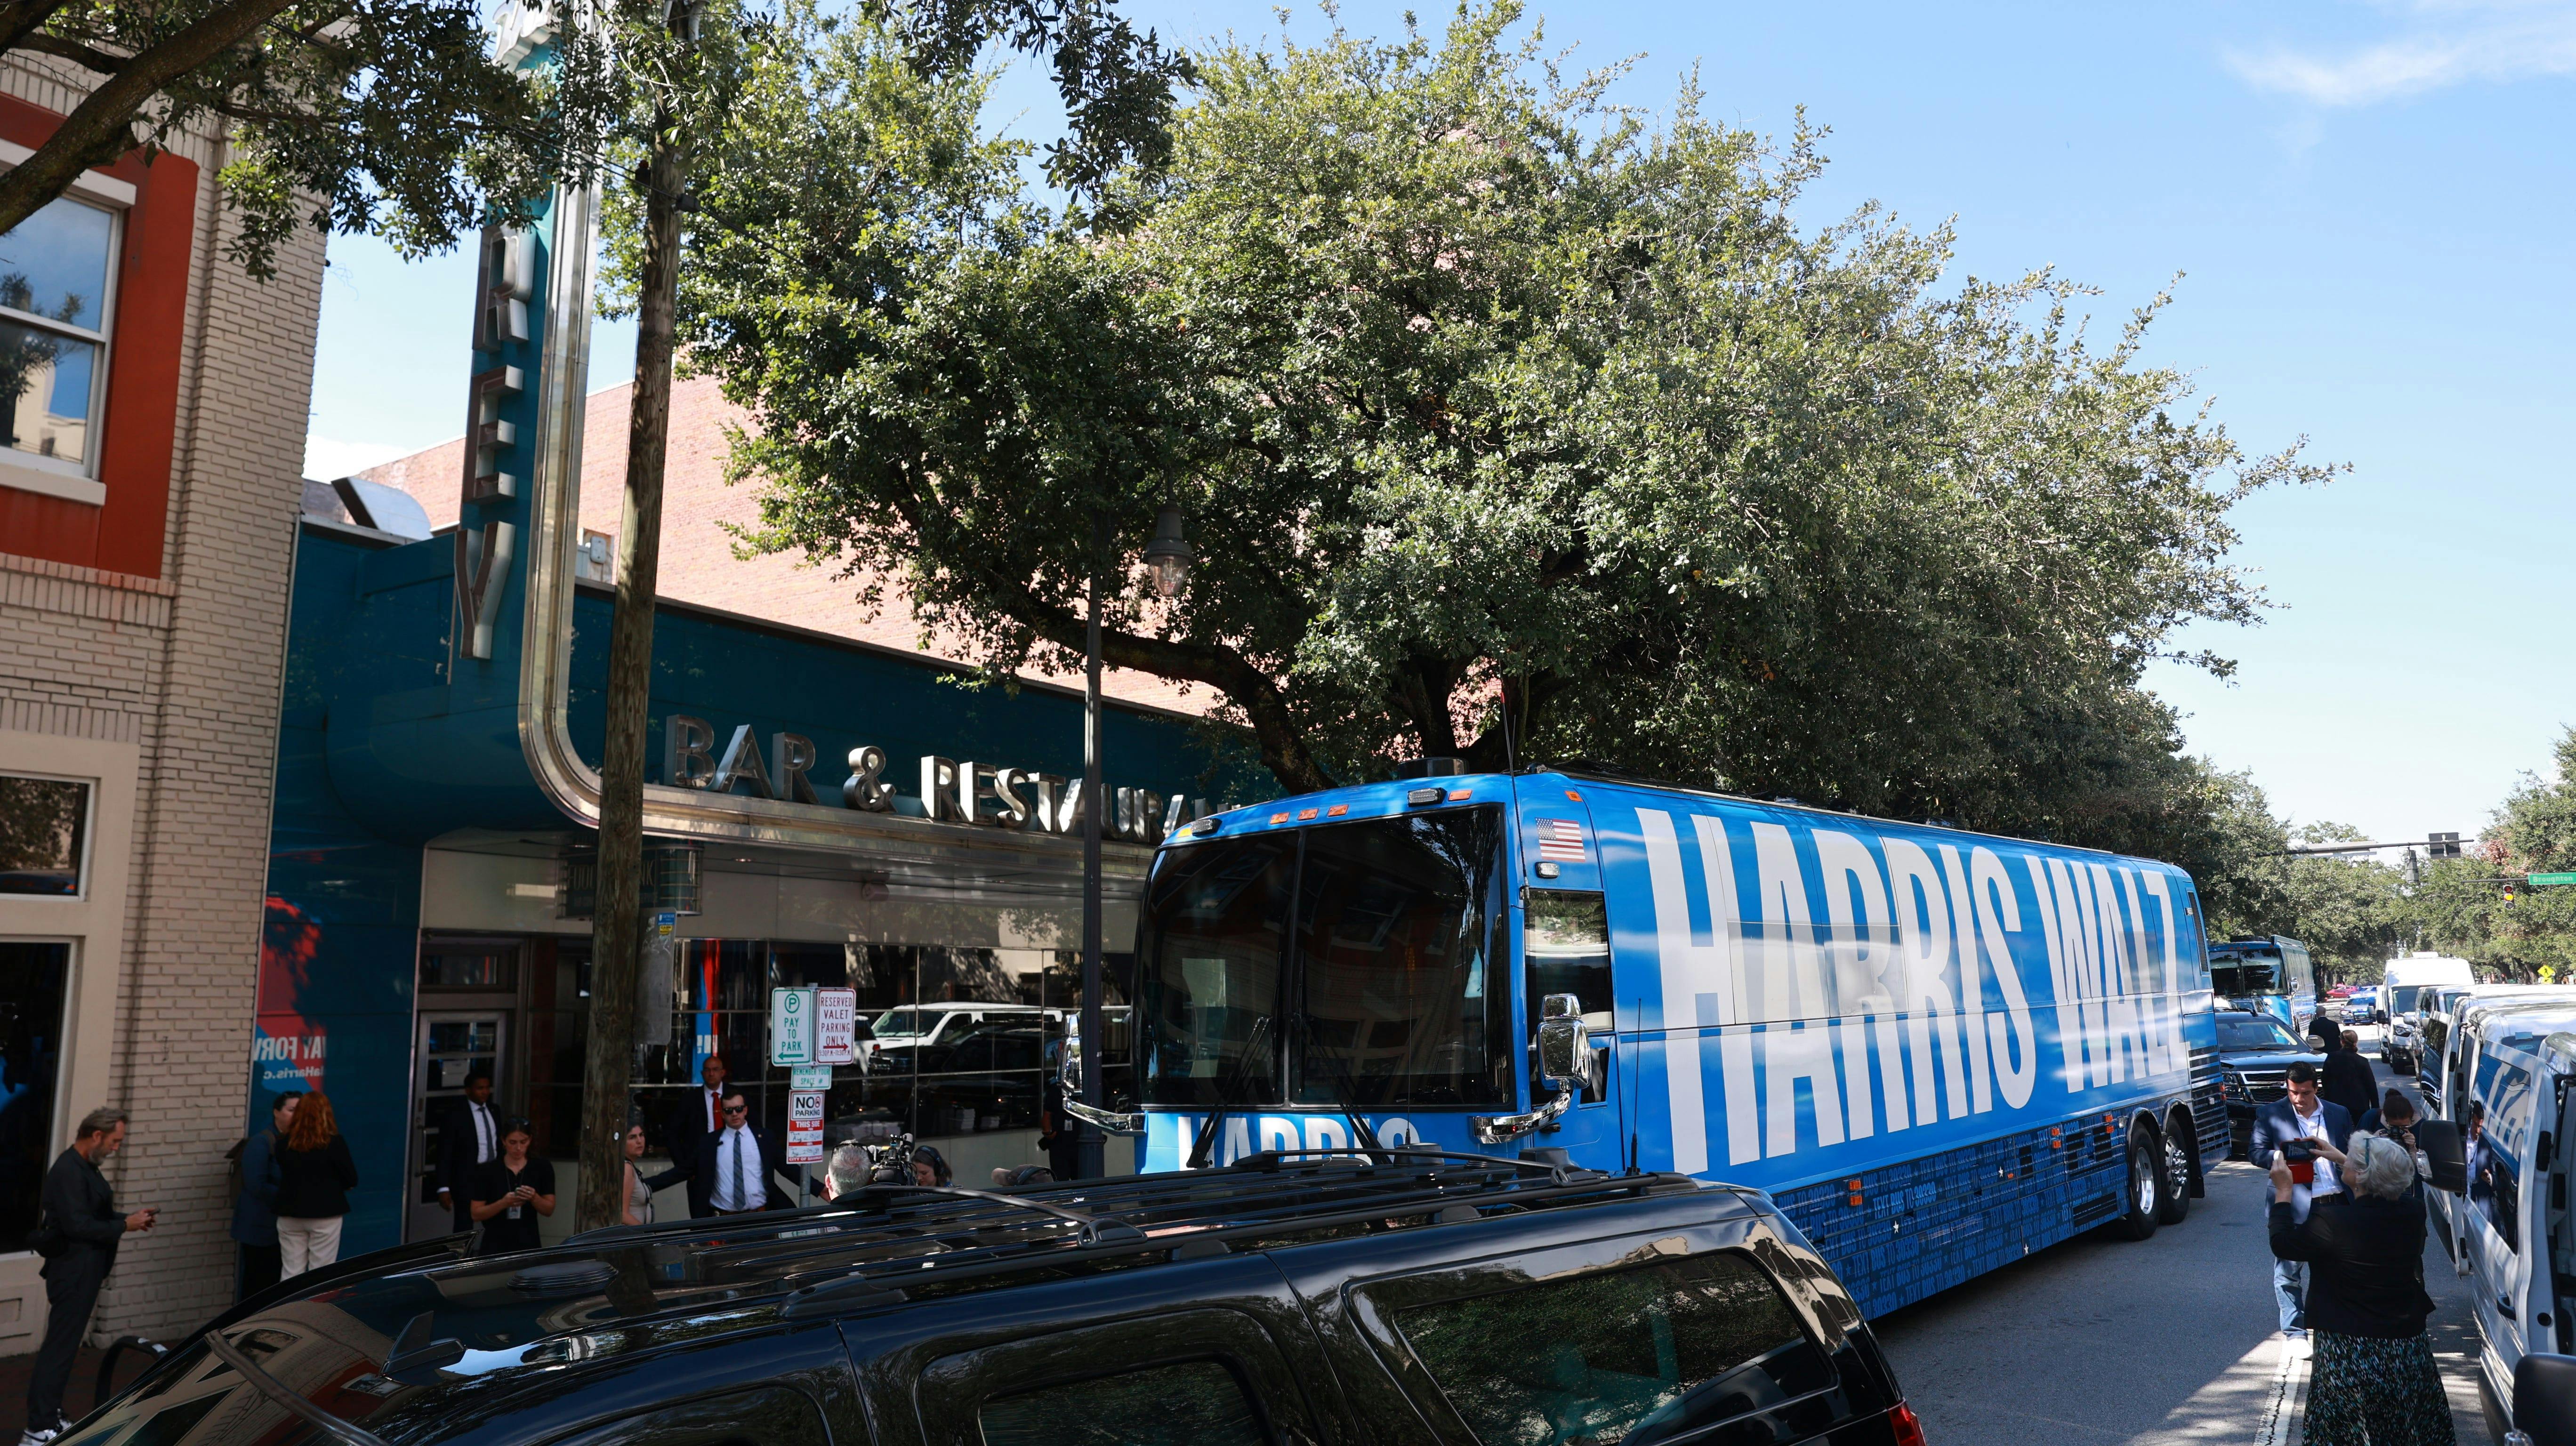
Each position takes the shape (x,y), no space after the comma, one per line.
(1560,839)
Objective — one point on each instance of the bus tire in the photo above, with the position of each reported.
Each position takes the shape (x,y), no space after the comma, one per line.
(2142,1190)
(2173,1146)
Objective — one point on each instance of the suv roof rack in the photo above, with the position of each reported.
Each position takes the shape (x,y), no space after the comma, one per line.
(878,1247)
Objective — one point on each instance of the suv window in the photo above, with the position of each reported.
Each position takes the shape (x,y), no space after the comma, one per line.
(1191,1403)
(1658,1353)
(1212,1375)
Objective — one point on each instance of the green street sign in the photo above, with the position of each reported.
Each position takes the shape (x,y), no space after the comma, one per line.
(2549,881)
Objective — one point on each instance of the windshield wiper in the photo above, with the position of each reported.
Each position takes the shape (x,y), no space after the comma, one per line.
(1345,1089)
(1234,1072)
(278,1391)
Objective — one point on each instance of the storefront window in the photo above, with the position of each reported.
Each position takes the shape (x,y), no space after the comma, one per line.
(32,980)
(960,1050)
(44,824)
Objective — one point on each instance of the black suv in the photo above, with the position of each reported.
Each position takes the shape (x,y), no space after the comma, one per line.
(2254,1057)
(1417,1299)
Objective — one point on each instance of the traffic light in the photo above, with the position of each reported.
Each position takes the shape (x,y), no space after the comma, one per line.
(2508,894)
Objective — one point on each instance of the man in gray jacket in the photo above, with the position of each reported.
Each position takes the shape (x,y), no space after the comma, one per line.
(77,1233)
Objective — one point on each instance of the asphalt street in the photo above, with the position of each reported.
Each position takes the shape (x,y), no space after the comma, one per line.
(2160,1342)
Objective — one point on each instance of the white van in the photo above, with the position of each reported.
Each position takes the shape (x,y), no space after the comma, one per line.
(2402,984)
(2449,1077)
(2508,1198)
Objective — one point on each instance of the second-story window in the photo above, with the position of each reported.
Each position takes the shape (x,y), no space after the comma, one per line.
(55,273)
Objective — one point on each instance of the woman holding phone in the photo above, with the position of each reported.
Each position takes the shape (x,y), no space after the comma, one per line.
(510,1192)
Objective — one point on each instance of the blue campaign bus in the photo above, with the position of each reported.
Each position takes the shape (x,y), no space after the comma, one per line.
(1937,1050)
(2267,975)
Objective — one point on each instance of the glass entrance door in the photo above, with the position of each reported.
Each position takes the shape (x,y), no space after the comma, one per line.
(453,1047)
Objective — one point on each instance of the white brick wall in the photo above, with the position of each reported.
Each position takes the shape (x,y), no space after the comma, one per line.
(186,667)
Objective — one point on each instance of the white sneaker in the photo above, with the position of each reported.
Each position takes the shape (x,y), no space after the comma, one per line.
(33,1437)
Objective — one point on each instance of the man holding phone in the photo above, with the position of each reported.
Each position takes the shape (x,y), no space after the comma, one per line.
(2309,1134)
(77,1233)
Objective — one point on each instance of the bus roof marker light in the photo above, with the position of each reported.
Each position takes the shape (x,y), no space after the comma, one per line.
(1460,795)
(1337,810)
(1547,869)
(1417,797)
(1208,825)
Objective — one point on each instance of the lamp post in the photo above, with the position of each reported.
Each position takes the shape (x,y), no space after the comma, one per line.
(1167,561)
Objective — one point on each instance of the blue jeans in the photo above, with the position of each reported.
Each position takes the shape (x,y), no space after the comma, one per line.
(2290,1292)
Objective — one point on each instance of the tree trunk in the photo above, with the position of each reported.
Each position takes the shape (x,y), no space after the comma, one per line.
(1090,1157)
(618,920)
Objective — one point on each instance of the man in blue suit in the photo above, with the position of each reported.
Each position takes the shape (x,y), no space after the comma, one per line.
(2328,1129)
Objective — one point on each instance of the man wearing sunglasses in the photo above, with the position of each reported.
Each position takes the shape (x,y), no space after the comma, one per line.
(735,1169)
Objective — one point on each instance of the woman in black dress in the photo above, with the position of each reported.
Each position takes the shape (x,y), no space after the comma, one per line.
(510,1192)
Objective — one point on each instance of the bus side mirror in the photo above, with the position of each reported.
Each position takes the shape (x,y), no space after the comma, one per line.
(2440,1142)
(2544,1400)
(1564,1044)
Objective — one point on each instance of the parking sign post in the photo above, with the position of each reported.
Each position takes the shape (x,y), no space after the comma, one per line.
(791,1025)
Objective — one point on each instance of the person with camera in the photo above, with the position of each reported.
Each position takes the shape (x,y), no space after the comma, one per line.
(2374,1379)
(2307,1133)
(2395,1120)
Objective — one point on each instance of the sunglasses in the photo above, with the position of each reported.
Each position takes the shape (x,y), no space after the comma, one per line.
(735,1109)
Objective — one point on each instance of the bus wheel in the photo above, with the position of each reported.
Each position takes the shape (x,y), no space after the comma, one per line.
(2144,1197)
(2177,1177)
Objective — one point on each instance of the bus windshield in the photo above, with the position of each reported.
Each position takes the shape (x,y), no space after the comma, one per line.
(1353,963)
(2239,974)
(2401,998)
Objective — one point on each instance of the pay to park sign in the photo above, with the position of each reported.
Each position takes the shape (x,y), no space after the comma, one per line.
(812,1025)
(791,1026)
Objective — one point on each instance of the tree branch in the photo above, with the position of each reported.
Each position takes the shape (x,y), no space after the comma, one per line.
(100,129)
(1283,744)
(89,57)
(21,18)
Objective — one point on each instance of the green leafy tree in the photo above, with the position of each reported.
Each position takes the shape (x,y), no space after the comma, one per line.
(2351,912)
(386,116)
(1508,424)
(682,77)
(2464,906)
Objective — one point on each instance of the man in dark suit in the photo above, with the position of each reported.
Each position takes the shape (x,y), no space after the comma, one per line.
(734,1170)
(2327,1129)
(468,1139)
(698,1113)
(2347,1079)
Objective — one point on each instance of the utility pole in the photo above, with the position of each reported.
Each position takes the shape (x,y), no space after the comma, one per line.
(617,922)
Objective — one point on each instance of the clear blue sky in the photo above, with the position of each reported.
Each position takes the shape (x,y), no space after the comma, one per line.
(2369,203)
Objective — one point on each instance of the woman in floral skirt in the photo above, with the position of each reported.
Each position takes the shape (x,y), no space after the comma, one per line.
(2374,1382)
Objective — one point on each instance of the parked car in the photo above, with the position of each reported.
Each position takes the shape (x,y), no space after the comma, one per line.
(1418,1299)
(2255,1052)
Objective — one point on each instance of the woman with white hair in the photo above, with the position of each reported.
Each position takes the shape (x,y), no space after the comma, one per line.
(2375,1380)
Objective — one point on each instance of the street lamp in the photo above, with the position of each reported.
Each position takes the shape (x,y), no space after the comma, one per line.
(1167,558)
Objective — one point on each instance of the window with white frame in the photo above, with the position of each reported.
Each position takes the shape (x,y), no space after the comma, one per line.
(57,270)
